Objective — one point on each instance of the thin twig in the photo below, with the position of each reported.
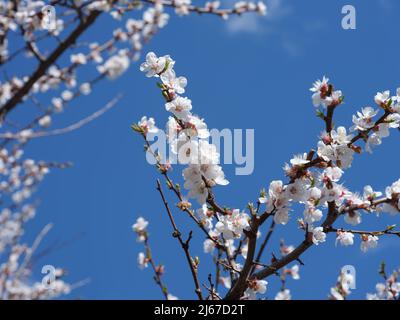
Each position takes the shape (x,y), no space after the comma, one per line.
(33,249)
(361,232)
(264,244)
(70,128)
(184,244)
(157,273)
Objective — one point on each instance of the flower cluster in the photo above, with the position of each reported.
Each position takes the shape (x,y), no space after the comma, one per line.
(255,287)
(14,287)
(19,178)
(284,293)
(343,286)
(335,153)
(393,194)
(364,121)
(334,146)
(389,289)
(345,238)
(187,133)
(314,182)
(324,95)
(232,225)
(140,228)
(368,242)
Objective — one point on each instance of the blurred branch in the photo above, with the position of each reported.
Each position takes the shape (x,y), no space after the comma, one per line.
(70,128)
(184,244)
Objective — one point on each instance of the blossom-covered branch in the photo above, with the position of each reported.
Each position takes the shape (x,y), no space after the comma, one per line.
(59,68)
(313,181)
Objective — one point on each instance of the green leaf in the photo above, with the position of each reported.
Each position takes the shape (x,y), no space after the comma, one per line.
(382,271)
(137,128)
(320,114)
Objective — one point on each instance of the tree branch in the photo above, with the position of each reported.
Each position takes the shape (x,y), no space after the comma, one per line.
(44,65)
(184,244)
(263,245)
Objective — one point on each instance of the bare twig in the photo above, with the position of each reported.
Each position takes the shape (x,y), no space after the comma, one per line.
(388,231)
(184,244)
(263,245)
(44,65)
(71,127)
(33,249)
(157,271)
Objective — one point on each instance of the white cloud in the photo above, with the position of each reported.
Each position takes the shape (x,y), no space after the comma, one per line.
(251,23)
(291,48)
(245,23)
(386,5)
(277,9)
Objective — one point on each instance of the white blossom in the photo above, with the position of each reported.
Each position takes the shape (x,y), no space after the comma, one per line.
(299,160)
(154,65)
(294,272)
(116,65)
(180,107)
(370,194)
(78,58)
(345,238)
(381,98)
(232,225)
(256,287)
(148,125)
(363,121)
(85,88)
(226,281)
(45,121)
(282,216)
(208,246)
(175,83)
(320,89)
(368,242)
(172,297)
(205,216)
(140,225)
(353,218)
(318,235)
(142,261)
(283,295)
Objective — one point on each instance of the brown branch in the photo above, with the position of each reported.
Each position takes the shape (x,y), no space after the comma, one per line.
(214,205)
(293,256)
(240,285)
(203,10)
(361,232)
(44,65)
(329,118)
(217,269)
(157,271)
(363,134)
(179,195)
(184,244)
(72,127)
(263,245)
(374,203)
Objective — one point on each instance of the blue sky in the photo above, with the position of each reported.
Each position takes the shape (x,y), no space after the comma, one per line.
(250,73)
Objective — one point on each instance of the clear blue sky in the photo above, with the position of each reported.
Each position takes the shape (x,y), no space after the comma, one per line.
(251,74)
